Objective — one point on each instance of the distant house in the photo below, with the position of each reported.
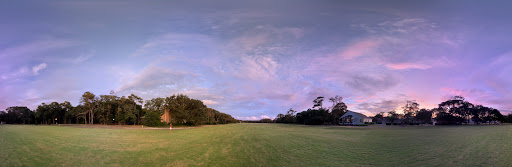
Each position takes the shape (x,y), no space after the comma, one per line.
(166,117)
(354,118)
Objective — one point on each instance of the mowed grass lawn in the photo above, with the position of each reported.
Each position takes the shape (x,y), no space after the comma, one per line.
(257,145)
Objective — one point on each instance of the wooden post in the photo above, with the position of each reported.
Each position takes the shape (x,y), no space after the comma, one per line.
(170,128)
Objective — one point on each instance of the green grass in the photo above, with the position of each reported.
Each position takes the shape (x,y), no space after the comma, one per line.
(257,145)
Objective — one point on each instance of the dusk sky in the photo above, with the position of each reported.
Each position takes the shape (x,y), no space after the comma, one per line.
(256,59)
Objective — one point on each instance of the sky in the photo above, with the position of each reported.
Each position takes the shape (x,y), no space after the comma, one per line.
(255,59)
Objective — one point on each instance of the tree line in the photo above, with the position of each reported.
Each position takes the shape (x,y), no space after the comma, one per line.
(456,110)
(317,115)
(114,110)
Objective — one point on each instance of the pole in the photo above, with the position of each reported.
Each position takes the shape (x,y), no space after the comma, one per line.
(170,128)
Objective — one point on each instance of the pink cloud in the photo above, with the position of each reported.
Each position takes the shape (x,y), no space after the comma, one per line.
(359,49)
(403,66)
(361,99)
(453,91)
(257,68)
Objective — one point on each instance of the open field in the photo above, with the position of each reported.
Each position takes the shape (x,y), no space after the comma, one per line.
(257,145)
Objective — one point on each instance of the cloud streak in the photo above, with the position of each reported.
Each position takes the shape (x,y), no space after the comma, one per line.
(36,69)
(404,66)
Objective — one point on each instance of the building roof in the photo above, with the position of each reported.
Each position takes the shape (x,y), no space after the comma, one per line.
(356,113)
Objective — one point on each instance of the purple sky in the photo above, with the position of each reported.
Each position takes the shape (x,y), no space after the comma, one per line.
(256,59)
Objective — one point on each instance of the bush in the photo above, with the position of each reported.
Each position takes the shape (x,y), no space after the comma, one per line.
(152,118)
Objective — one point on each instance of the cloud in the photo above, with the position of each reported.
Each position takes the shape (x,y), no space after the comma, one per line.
(489,83)
(374,105)
(379,106)
(372,84)
(361,99)
(256,68)
(359,49)
(410,43)
(36,69)
(154,78)
(297,32)
(16,60)
(399,26)
(36,47)
(403,66)
(173,44)
(209,102)
(83,57)
(23,72)
(243,73)
(35,90)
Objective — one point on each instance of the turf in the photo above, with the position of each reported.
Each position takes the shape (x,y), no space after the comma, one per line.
(257,145)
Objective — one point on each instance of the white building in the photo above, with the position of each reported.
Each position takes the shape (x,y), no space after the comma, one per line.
(354,118)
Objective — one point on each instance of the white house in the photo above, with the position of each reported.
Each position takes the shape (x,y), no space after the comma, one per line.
(354,118)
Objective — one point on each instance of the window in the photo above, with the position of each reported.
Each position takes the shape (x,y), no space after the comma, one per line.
(347,119)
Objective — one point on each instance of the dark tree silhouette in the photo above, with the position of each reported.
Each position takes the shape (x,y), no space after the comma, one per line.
(318,102)
(423,116)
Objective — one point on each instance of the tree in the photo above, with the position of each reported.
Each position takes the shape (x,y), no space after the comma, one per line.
(280,118)
(409,109)
(152,118)
(104,108)
(378,118)
(313,116)
(3,117)
(18,115)
(185,110)
(288,118)
(136,100)
(55,113)
(265,120)
(392,116)
(445,118)
(125,113)
(424,115)
(508,118)
(486,114)
(318,102)
(80,112)
(89,100)
(122,110)
(156,104)
(458,107)
(66,108)
(338,108)
(41,113)
(335,100)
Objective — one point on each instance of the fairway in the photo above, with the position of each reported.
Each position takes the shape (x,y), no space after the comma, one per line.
(257,145)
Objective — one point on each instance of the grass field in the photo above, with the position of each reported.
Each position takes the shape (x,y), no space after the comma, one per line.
(257,145)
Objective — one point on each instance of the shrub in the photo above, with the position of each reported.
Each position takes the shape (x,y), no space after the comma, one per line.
(152,118)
